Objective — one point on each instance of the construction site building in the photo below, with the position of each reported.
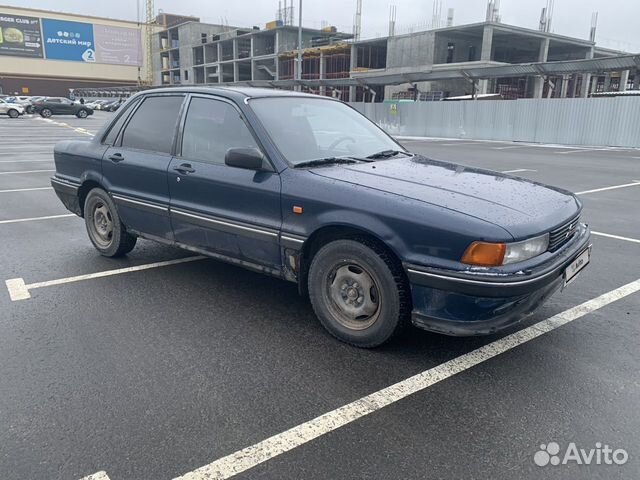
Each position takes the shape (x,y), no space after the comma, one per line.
(197,53)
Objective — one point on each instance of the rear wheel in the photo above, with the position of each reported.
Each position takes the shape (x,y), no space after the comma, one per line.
(106,231)
(13,113)
(359,292)
(82,114)
(46,113)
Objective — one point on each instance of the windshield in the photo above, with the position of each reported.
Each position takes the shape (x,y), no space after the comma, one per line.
(306,129)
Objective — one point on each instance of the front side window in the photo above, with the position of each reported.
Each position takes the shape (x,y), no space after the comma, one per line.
(211,128)
(153,125)
(306,129)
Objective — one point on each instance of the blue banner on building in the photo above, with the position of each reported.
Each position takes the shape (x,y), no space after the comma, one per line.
(68,40)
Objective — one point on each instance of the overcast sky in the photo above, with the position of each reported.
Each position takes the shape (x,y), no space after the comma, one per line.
(617,25)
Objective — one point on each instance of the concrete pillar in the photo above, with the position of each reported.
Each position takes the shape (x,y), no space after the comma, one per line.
(636,79)
(607,83)
(322,72)
(485,54)
(624,78)
(543,53)
(236,72)
(353,59)
(586,77)
(564,89)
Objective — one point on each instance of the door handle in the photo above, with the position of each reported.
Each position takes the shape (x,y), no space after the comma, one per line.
(116,157)
(184,168)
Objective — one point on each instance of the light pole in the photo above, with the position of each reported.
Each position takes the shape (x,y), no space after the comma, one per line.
(299,70)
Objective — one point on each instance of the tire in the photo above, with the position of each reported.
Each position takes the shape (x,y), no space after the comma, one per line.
(82,114)
(359,292)
(13,113)
(107,233)
(46,113)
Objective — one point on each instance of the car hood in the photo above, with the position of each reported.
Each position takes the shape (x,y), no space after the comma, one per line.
(520,206)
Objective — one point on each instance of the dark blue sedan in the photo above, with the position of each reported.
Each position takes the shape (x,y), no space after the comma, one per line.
(306,189)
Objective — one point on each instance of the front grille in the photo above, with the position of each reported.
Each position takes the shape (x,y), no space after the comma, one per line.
(561,235)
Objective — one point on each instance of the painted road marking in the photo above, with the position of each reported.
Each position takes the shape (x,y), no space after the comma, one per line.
(33,219)
(508,148)
(583,150)
(26,171)
(26,161)
(616,237)
(519,170)
(25,189)
(18,290)
(101,475)
(265,450)
(614,187)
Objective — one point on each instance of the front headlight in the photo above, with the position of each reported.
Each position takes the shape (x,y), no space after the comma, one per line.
(495,254)
(520,251)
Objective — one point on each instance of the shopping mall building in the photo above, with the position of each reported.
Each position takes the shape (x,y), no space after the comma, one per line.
(48,53)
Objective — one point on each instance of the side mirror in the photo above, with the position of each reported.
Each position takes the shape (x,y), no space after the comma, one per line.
(248,158)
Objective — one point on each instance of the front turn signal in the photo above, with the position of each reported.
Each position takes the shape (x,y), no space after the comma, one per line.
(485,254)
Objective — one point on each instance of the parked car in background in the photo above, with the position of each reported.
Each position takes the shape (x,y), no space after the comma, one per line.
(97,104)
(61,106)
(113,106)
(24,101)
(13,110)
(305,188)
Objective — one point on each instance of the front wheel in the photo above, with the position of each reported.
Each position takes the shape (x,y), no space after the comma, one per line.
(46,113)
(106,231)
(359,292)
(13,113)
(82,114)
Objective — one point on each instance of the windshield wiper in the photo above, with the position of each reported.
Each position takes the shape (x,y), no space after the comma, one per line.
(385,154)
(325,161)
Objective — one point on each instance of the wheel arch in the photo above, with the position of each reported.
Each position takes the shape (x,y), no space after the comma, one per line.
(86,186)
(329,233)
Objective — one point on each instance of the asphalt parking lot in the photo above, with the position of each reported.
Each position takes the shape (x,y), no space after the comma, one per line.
(186,368)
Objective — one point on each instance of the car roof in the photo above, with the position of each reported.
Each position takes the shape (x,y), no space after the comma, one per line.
(236,93)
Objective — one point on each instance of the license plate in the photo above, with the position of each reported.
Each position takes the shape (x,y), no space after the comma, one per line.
(576,266)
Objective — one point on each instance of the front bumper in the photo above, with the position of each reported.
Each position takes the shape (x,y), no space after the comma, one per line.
(470,303)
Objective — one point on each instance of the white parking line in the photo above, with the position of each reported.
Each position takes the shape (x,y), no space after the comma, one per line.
(101,475)
(614,187)
(18,290)
(616,237)
(583,150)
(25,171)
(265,450)
(33,219)
(26,161)
(519,170)
(508,148)
(25,189)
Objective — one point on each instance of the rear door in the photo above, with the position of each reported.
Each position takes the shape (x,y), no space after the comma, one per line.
(228,210)
(135,167)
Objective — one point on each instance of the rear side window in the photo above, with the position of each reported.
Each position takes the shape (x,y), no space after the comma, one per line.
(117,126)
(153,125)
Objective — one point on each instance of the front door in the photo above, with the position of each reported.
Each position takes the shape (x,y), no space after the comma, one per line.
(231,211)
(135,167)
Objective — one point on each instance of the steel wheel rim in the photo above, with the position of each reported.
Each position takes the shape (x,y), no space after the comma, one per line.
(352,295)
(102,224)
(46,113)
(82,114)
